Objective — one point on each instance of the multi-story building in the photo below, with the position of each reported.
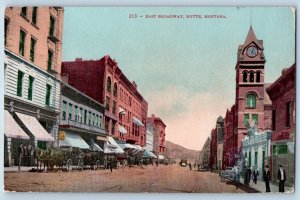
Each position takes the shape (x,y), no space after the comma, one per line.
(32,66)
(256,149)
(149,136)
(81,117)
(159,134)
(205,154)
(230,153)
(282,94)
(102,80)
(213,149)
(220,131)
(251,98)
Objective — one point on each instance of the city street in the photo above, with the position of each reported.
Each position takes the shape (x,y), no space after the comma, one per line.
(171,178)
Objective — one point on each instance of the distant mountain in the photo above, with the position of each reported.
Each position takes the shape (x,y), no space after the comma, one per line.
(177,152)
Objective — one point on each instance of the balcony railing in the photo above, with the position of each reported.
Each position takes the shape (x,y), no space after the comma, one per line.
(87,127)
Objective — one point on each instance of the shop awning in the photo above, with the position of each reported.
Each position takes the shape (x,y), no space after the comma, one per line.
(138,147)
(137,121)
(130,146)
(94,146)
(73,140)
(101,138)
(122,111)
(148,153)
(111,147)
(12,129)
(35,128)
(122,129)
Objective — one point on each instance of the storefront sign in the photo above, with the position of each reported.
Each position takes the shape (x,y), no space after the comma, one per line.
(61,135)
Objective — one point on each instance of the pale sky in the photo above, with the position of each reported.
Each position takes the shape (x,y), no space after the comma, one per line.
(184,68)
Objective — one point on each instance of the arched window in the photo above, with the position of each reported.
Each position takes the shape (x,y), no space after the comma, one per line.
(108,85)
(251,101)
(258,76)
(245,76)
(115,90)
(251,77)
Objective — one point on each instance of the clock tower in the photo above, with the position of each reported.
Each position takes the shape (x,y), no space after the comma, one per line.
(250,88)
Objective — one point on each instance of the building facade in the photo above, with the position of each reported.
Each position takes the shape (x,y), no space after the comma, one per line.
(81,117)
(282,94)
(126,109)
(149,137)
(213,149)
(204,155)
(32,66)
(220,131)
(159,134)
(251,98)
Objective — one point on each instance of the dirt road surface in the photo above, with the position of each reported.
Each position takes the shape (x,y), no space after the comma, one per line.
(168,179)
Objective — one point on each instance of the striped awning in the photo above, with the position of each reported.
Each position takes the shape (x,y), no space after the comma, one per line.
(35,128)
(137,121)
(122,129)
(12,128)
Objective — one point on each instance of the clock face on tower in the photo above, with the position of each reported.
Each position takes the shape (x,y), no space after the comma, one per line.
(252,51)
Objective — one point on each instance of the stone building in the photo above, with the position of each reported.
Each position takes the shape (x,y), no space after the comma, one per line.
(159,134)
(81,120)
(213,150)
(126,109)
(282,94)
(32,66)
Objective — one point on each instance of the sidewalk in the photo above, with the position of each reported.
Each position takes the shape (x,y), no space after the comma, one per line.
(15,168)
(260,186)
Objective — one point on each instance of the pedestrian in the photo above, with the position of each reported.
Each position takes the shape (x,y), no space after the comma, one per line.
(267,178)
(111,165)
(247,176)
(281,176)
(190,165)
(236,173)
(255,174)
(20,153)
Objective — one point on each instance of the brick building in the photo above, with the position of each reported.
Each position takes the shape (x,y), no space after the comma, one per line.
(252,103)
(213,149)
(126,109)
(159,134)
(282,94)
(32,66)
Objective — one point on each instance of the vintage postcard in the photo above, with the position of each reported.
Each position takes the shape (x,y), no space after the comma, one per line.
(149,99)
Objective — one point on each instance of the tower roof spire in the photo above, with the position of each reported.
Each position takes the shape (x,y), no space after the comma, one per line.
(252,38)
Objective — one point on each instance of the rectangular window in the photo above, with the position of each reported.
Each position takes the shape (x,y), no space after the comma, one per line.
(255,118)
(64,110)
(100,121)
(34,15)
(274,150)
(30,87)
(106,123)
(22,43)
(76,113)
(97,120)
(81,115)
(113,128)
(50,58)
(85,116)
(114,107)
(20,83)
(5,30)
(52,25)
(288,114)
(70,111)
(90,116)
(282,149)
(273,120)
(263,159)
(24,11)
(32,49)
(94,119)
(107,103)
(255,158)
(48,94)
(249,159)
(246,120)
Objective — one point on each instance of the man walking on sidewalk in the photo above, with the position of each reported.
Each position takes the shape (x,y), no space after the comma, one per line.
(267,178)
(281,176)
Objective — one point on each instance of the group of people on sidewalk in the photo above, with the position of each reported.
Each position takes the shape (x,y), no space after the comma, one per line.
(281,177)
